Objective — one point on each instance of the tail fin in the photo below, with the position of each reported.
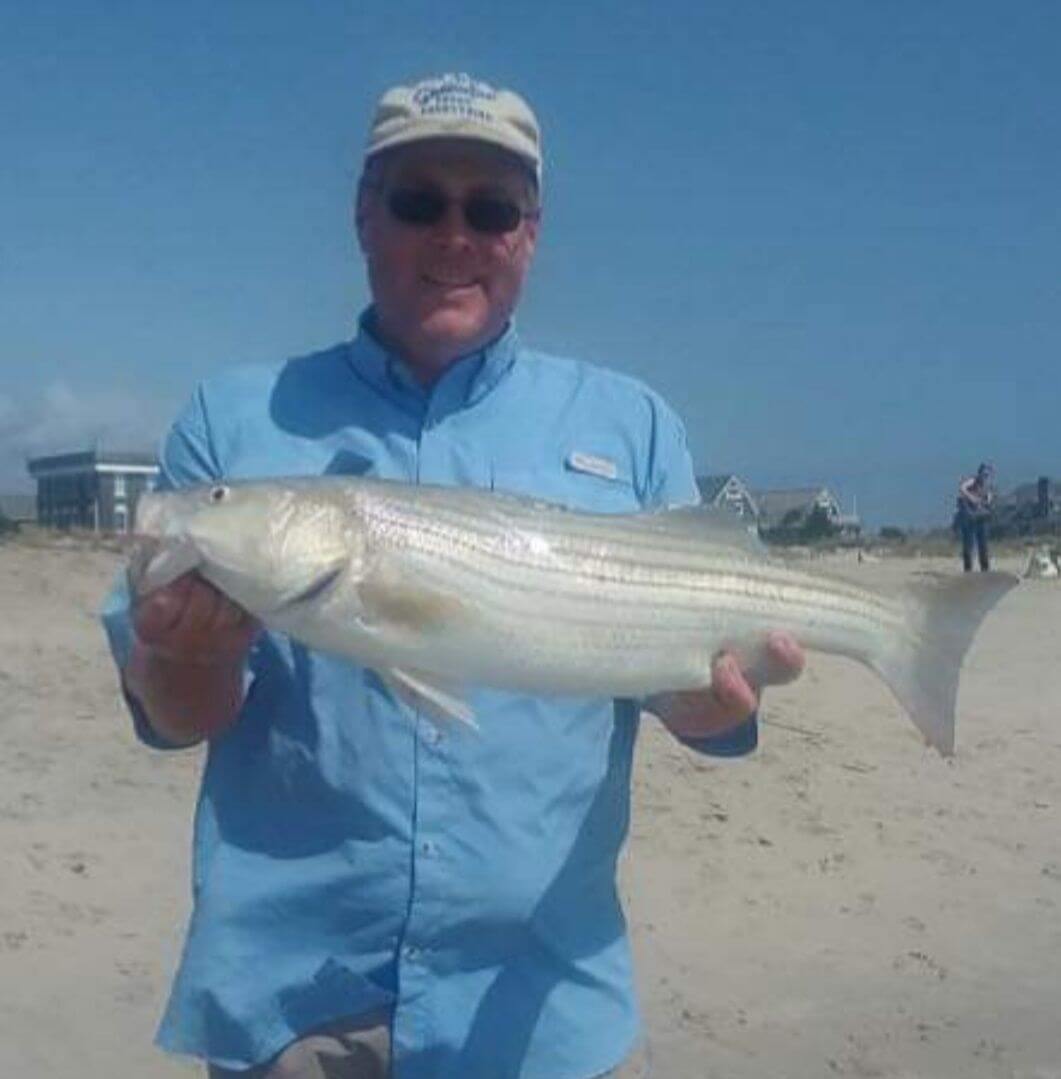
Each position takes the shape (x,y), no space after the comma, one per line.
(923,668)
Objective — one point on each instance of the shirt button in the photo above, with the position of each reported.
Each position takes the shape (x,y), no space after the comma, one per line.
(411,952)
(428,849)
(432,735)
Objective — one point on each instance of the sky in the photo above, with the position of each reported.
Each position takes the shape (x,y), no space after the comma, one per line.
(829,233)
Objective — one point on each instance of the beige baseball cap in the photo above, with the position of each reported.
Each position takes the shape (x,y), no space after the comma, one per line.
(456,106)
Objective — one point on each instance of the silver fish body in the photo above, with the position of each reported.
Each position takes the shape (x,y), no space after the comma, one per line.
(442,588)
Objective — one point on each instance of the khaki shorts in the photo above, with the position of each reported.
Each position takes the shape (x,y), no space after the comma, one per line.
(362,1051)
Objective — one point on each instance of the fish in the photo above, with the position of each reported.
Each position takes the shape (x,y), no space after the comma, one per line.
(443,589)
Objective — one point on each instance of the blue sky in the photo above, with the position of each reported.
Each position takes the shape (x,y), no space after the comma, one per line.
(829,233)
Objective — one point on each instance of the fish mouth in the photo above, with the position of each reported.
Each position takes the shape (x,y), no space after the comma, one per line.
(155,562)
(316,589)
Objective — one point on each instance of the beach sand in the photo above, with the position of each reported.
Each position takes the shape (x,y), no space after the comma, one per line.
(842,903)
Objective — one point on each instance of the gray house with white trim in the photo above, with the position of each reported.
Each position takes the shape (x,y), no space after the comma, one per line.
(728,491)
(789,509)
(93,489)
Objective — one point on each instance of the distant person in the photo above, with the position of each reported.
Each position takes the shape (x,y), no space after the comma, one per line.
(976,498)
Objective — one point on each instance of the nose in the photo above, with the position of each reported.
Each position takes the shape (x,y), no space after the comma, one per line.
(453,228)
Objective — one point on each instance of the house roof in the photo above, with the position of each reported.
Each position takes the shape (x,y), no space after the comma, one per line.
(781,501)
(711,485)
(1029,492)
(90,461)
(776,505)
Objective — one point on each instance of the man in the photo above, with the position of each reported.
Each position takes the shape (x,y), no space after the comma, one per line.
(372,891)
(975,502)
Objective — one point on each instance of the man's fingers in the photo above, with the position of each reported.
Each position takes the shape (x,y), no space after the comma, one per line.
(781,660)
(203,601)
(230,619)
(785,660)
(737,690)
(157,613)
(214,621)
(227,615)
(736,698)
(193,619)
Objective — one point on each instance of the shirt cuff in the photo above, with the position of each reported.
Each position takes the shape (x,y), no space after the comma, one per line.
(736,742)
(118,627)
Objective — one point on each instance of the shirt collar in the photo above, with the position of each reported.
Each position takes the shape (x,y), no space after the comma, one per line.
(464,383)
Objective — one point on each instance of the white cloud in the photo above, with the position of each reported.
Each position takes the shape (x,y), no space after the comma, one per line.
(63,418)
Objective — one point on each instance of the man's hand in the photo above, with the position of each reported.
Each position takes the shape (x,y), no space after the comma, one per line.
(190,620)
(186,666)
(733,695)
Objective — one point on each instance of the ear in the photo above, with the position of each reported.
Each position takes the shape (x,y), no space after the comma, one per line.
(366,200)
(530,234)
(361,221)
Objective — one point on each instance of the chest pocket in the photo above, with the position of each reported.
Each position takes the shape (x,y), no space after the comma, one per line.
(569,487)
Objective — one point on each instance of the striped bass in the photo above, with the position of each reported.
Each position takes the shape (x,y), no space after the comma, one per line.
(439,589)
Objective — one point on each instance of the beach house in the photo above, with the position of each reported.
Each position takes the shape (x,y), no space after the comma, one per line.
(789,510)
(91,489)
(730,492)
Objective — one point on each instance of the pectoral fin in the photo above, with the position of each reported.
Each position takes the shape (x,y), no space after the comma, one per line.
(390,599)
(426,693)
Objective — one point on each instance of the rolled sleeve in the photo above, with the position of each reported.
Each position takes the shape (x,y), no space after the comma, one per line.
(186,457)
(118,625)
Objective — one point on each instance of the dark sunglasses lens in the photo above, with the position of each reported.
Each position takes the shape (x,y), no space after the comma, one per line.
(492,215)
(415,207)
(484,213)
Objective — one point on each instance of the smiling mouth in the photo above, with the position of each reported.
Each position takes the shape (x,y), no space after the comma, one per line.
(440,282)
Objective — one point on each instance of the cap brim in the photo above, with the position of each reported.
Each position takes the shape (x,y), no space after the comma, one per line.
(409,138)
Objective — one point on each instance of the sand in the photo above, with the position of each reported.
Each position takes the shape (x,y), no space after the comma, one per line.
(843,903)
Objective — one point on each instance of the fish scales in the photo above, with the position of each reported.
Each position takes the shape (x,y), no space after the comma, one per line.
(443,589)
(580,562)
(580,569)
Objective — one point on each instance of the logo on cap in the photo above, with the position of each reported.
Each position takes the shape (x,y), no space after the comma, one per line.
(454,95)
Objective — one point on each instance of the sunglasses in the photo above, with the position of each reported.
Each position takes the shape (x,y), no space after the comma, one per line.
(491,215)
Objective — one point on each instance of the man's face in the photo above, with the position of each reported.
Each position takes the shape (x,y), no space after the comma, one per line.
(444,290)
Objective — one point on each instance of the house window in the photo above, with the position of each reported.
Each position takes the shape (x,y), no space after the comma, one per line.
(121,519)
(119,486)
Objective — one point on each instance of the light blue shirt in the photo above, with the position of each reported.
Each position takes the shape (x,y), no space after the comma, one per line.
(349,853)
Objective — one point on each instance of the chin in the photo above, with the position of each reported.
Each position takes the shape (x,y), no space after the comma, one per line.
(454,334)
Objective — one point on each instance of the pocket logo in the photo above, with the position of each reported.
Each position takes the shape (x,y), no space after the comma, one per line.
(592,465)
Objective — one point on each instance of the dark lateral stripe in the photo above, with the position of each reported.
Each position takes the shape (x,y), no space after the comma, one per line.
(626,559)
(581,592)
(578,570)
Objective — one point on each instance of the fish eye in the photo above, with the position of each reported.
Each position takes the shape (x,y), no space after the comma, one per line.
(218,493)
